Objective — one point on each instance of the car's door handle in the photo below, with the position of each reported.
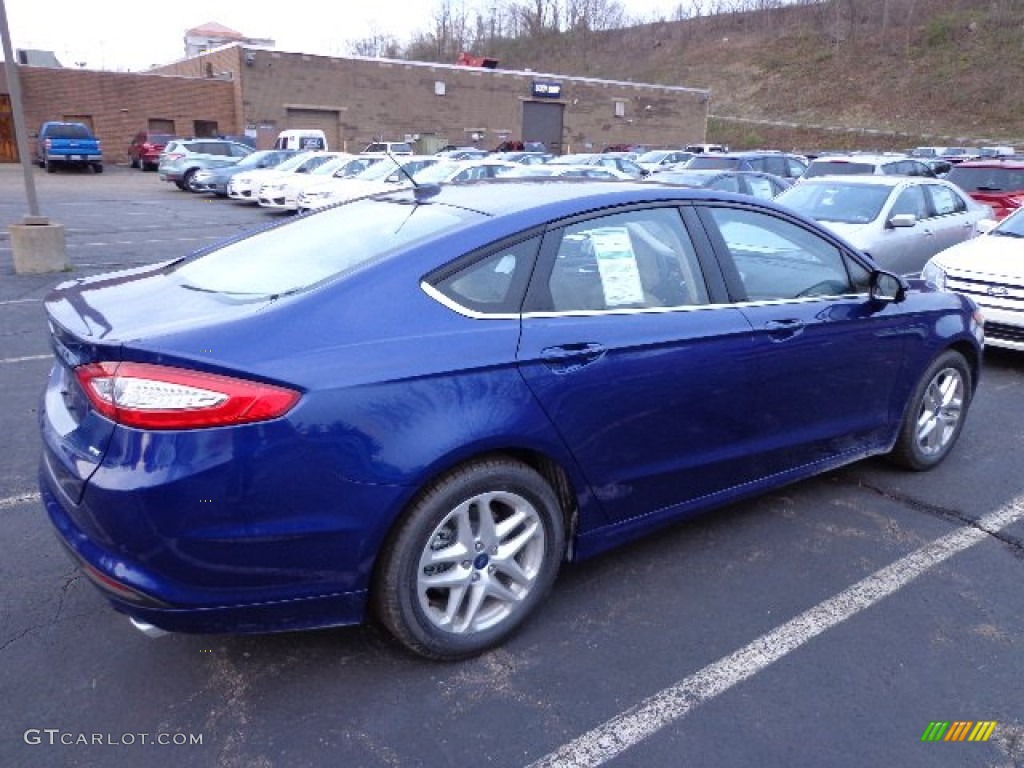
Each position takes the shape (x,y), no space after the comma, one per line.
(571,357)
(780,330)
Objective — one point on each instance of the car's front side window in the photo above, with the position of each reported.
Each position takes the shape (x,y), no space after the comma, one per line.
(776,259)
(637,259)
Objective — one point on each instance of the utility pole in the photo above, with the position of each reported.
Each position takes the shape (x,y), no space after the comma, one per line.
(36,244)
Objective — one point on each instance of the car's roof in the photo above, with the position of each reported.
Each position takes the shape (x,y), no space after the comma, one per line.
(871,181)
(864,158)
(1014,163)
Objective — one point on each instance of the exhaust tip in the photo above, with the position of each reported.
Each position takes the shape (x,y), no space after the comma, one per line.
(148,629)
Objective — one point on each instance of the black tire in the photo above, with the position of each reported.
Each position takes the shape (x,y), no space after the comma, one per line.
(97,168)
(51,167)
(136,163)
(189,180)
(935,413)
(483,582)
(181,185)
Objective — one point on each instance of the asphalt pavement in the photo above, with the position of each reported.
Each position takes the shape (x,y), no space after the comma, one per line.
(829,623)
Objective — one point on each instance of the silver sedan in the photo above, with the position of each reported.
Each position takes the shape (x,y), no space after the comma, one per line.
(902,221)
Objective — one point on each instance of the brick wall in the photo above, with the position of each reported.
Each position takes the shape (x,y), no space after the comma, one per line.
(118,105)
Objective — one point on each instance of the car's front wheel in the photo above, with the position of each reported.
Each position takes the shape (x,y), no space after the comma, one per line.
(473,556)
(935,414)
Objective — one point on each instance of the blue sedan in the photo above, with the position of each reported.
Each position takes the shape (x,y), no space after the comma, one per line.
(415,407)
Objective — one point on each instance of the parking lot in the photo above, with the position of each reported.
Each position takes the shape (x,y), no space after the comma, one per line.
(826,624)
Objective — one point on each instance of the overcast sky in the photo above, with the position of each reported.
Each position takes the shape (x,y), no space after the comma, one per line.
(114,34)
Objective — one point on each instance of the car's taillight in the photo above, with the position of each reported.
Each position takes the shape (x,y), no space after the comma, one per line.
(174,156)
(160,397)
(48,143)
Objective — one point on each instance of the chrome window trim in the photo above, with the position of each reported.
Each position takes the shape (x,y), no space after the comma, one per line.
(473,314)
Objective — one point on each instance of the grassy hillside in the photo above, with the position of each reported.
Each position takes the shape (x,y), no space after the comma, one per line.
(826,74)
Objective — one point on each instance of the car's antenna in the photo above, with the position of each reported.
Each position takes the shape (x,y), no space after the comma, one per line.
(420,191)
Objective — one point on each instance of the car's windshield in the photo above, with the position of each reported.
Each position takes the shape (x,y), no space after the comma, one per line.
(837,202)
(436,173)
(1011,226)
(652,157)
(311,249)
(379,171)
(253,160)
(838,168)
(68,131)
(294,162)
(713,162)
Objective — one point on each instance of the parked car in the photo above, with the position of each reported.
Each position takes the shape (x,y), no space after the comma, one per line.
(901,221)
(281,191)
(245,187)
(560,170)
(460,171)
(523,158)
(416,410)
(698,149)
(763,185)
(216,180)
(145,148)
(990,270)
(608,159)
(183,158)
(863,164)
(388,148)
(522,146)
(778,164)
(463,153)
(657,159)
(68,144)
(996,182)
(389,174)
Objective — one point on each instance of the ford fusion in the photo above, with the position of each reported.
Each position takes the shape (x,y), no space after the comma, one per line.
(414,407)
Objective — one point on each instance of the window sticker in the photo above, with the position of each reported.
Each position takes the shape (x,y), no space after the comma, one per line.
(616,263)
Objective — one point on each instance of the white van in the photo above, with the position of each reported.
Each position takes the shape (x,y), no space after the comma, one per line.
(301,138)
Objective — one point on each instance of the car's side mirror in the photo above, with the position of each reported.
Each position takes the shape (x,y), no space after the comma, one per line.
(902,220)
(887,287)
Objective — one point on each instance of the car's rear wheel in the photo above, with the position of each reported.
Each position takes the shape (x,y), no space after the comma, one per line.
(935,414)
(51,167)
(473,556)
(180,185)
(189,180)
(97,168)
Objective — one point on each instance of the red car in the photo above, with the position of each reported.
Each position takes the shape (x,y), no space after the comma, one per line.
(144,150)
(996,182)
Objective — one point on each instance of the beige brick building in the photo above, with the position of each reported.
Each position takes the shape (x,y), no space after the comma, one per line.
(259,91)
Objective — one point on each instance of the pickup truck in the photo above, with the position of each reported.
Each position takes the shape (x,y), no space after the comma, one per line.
(67,144)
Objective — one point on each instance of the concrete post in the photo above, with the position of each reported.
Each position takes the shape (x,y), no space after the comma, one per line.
(38,247)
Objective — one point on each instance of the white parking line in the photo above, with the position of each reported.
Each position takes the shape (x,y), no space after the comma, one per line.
(19,301)
(22,498)
(642,721)
(6,360)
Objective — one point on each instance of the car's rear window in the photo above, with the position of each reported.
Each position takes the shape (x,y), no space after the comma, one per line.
(838,167)
(69,131)
(314,248)
(987,179)
(713,163)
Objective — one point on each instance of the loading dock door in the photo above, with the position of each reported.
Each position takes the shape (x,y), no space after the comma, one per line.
(324,119)
(542,121)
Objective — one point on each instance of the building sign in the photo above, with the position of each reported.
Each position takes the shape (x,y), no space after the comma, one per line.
(547,89)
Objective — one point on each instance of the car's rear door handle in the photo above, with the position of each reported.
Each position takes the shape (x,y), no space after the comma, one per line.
(571,357)
(780,330)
